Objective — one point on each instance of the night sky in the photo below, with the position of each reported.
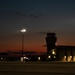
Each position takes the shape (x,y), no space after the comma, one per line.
(36,16)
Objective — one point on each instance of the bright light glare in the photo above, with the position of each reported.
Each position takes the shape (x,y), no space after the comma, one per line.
(49,56)
(25,57)
(53,52)
(70,56)
(23,30)
(38,58)
(65,57)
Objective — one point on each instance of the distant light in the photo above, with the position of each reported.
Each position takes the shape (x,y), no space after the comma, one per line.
(1,58)
(38,58)
(23,30)
(21,58)
(49,56)
(25,57)
(65,57)
(70,56)
(54,56)
(53,52)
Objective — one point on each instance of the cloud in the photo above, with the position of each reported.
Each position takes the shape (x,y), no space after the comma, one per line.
(34,16)
(19,13)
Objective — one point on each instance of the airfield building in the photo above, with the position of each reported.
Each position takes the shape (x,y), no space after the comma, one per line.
(58,53)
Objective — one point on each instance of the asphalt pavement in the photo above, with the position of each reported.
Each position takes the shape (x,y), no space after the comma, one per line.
(37,68)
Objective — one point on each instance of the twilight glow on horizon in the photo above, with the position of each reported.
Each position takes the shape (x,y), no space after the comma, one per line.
(36,16)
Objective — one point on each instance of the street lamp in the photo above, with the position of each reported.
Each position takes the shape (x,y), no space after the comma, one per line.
(23,31)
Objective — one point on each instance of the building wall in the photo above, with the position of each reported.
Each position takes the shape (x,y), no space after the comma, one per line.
(73,55)
(66,55)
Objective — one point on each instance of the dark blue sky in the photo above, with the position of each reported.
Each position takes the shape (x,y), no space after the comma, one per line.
(36,16)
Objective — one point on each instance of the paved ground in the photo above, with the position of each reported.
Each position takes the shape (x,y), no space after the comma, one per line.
(37,68)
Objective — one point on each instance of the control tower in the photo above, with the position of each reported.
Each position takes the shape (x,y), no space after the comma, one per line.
(50,42)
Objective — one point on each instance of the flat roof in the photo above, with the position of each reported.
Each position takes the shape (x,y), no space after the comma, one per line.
(62,47)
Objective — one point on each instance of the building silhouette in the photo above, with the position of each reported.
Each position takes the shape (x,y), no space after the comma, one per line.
(58,53)
(50,42)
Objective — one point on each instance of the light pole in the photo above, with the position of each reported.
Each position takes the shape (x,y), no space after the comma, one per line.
(23,31)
